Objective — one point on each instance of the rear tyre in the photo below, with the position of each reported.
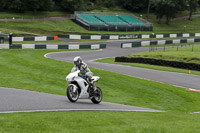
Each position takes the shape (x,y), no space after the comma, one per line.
(97,98)
(72,96)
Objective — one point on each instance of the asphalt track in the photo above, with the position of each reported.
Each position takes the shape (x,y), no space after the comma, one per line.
(17,100)
(113,49)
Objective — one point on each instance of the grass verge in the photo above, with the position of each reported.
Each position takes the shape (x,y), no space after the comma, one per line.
(184,54)
(69,27)
(29,14)
(188,54)
(28,69)
(84,122)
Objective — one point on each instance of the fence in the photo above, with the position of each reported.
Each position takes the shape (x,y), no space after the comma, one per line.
(40,38)
(143,36)
(159,42)
(52,46)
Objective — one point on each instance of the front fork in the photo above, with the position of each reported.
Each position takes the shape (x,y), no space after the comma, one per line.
(92,88)
(74,88)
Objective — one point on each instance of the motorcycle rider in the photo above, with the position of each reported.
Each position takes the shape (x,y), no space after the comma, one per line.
(84,70)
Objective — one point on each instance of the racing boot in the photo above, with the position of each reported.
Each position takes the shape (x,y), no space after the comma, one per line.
(91,89)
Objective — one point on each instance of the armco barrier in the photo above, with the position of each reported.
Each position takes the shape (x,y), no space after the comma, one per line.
(100,37)
(52,46)
(158,42)
(40,38)
(176,64)
(145,36)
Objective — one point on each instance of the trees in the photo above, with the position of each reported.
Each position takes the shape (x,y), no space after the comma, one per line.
(167,8)
(26,5)
(192,6)
(38,5)
(17,5)
(77,5)
(134,5)
(162,8)
(149,7)
(13,5)
(47,5)
(33,5)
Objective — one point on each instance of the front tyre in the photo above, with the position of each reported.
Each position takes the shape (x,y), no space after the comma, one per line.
(97,98)
(72,96)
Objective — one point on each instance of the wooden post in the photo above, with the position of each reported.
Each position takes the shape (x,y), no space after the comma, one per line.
(192,47)
(164,48)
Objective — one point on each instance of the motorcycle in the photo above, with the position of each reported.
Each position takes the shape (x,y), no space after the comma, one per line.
(79,88)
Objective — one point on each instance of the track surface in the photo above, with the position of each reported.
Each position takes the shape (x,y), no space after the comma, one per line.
(113,50)
(17,100)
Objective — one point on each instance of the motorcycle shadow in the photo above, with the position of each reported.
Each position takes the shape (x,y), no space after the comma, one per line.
(83,102)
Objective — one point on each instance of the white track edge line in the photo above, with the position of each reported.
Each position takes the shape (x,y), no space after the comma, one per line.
(68,52)
(65,110)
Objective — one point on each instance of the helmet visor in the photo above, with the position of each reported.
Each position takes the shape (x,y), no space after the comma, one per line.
(76,63)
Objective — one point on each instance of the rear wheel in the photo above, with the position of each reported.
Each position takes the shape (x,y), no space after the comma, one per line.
(72,96)
(97,98)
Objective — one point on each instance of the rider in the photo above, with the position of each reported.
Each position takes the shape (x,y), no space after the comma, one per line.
(84,70)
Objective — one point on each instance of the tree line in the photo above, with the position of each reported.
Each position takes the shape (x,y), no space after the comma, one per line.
(162,8)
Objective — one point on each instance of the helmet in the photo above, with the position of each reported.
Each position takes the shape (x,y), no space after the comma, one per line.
(77,60)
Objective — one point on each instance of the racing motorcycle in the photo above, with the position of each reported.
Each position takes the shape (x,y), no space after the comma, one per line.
(80,88)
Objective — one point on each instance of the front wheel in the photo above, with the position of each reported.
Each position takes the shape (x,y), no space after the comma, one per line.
(97,98)
(72,96)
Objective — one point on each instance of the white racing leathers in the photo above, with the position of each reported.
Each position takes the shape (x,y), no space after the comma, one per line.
(84,70)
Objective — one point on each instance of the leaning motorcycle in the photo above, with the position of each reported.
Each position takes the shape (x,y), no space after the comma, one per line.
(79,88)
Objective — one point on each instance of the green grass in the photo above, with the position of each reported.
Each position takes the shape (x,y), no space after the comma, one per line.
(178,26)
(69,27)
(98,122)
(184,54)
(17,32)
(32,14)
(28,69)
(186,13)
(152,16)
